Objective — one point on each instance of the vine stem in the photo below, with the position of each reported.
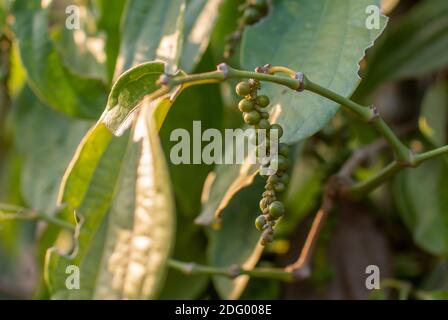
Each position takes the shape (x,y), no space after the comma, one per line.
(297,83)
(231,272)
(360,189)
(13,212)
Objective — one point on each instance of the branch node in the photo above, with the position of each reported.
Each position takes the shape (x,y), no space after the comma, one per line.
(301,78)
(164,79)
(224,68)
(409,161)
(264,69)
(374,114)
(235,271)
(190,267)
(301,273)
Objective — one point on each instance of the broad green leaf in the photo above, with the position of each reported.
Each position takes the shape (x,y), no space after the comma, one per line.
(413,46)
(151,30)
(200,19)
(422,198)
(236,242)
(82,50)
(437,279)
(323,39)
(109,20)
(47,75)
(119,188)
(127,93)
(46,162)
(221,186)
(433,121)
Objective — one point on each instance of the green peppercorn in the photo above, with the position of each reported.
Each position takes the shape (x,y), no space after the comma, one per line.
(262,101)
(264,124)
(243,89)
(246,105)
(265,115)
(279,129)
(273,179)
(279,187)
(263,204)
(251,15)
(251,117)
(260,222)
(276,209)
(259,4)
(268,194)
(281,163)
(285,178)
(283,149)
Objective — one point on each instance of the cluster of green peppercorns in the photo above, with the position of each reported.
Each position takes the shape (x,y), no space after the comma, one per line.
(253,11)
(253,107)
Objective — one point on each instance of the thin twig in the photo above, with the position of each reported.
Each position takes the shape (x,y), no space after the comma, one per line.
(12,212)
(230,272)
(302,267)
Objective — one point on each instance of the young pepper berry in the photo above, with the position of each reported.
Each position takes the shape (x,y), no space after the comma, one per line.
(251,117)
(276,209)
(262,101)
(279,129)
(260,222)
(243,89)
(245,105)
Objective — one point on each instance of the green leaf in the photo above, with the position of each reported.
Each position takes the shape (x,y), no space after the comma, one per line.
(47,75)
(127,93)
(236,242)
(220,188)
(45,163)
(422,199)
(433,121)
(82,50)
(119,188)
(151,30)
(413,46)
(109,20)
(200,19)
(323,39)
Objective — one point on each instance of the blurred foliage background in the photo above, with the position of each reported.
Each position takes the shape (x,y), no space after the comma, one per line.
(54,85)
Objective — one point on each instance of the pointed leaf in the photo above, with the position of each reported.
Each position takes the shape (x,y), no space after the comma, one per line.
(414,45)
(47,75)
(323,39)
(151,30)
(120,189)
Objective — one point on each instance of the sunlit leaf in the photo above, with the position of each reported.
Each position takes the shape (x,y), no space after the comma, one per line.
(421,196)
(128,92)
(200,19)
(47,74)
(45,163)
(119,188)
(323,39)
(433,121)
(151,30)
(414,45)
